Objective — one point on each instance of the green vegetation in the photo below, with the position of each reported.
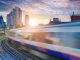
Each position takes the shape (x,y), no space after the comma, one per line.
(2,27)
(2,36)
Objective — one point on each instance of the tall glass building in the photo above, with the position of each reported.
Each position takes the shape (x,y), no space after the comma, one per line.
(14,19)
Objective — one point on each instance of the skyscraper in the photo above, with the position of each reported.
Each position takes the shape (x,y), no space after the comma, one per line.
(10,21)
(14,19)
(18,17)
(2,23)
(26,20)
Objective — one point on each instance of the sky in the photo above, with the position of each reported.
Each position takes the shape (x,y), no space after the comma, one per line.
(42,10)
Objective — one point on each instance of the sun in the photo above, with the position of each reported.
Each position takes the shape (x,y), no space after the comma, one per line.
(33,23)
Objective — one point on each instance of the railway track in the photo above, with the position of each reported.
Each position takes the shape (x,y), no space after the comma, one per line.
(1,58)
(5,56)
(27,54)
(19,54)
(13,53)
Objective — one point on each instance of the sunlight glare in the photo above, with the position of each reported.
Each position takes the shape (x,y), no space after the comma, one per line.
(33,22)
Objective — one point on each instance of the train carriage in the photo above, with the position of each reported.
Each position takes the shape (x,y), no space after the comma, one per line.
(61,42)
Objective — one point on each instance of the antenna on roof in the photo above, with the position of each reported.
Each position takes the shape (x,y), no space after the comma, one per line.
(73,13)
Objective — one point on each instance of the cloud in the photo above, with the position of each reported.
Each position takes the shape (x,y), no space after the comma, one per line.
(45,7)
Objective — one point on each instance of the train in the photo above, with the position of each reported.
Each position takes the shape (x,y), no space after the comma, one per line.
(59,41)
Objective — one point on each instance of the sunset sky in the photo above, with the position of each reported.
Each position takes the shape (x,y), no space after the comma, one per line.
(42,10)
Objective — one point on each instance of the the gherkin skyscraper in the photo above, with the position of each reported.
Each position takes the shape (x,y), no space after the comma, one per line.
(2,23)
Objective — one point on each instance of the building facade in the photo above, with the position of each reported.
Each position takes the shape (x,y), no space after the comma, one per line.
(26,20)
(55,21)
(2,24)
(14,18)
(75,18)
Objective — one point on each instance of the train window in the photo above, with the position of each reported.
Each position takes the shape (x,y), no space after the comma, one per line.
(25,37)
(40,37)
(67,39)
(13,34)
(20,36)
(29,37)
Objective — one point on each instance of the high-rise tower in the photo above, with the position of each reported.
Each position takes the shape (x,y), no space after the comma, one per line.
(26,20)
(14,19)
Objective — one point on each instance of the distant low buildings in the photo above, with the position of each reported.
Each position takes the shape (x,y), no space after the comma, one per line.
(55,21)
(75,18)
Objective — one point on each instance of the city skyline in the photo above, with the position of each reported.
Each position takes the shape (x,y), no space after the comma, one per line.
(42,11)
(14,18)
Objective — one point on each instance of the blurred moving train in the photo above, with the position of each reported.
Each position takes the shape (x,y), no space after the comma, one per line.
(59,40)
